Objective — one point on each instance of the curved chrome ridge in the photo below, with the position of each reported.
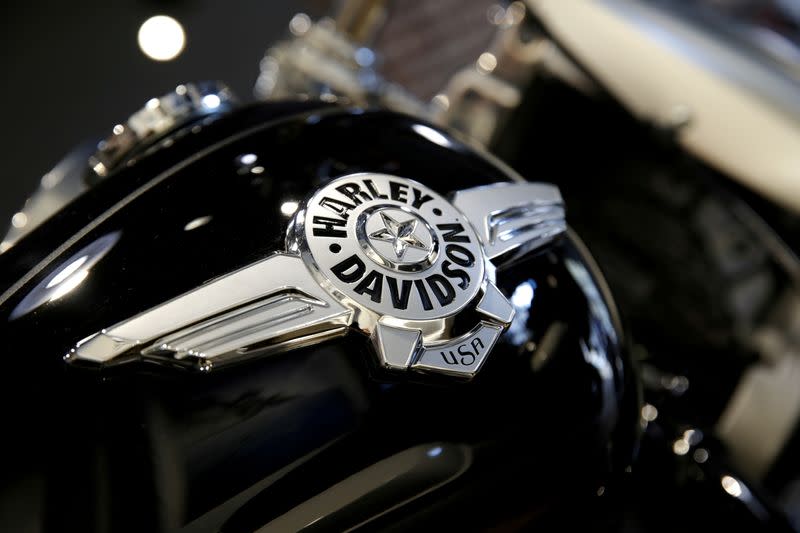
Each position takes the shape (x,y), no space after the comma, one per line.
(513,217)
(284,302)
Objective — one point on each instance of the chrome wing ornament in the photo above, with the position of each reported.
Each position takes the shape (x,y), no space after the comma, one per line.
(374,253)
(271,305)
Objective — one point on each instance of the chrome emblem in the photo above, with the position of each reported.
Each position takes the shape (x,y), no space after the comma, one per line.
(400,234)
(375,253)
(391,246)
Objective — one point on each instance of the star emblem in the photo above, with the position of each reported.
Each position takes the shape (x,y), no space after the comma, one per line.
(400,234)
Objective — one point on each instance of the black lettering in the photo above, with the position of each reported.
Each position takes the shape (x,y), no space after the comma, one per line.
(352,262)
(420,198)
(372,284)
(423,295)
(371,188)
(456,273)
(452,360)
(352,191)
(337,206)
(399,298)
(442,289)
(453,231)
(398,191)
(459,255)
(329,226)
(465,355)
(477,343)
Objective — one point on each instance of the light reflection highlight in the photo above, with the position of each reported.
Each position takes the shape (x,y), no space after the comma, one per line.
(680,447)
(487,62)
(365,57)
(732,486)
(649,412)
(161,38)
(247,159)
(434,452)
(289,208)
(693,436)
(432,135)
(68,285)
(739,490)
(197,223)
(67,271)
(442,102)
(19,220)
(523,295)
(211,101)
(300,24)
(522,300)
(65,278)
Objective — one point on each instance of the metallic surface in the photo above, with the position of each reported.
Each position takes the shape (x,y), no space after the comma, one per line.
(320,62)
(328,231)
(271,305)
(186,103)
(516,218)
(276,304)
(462,356)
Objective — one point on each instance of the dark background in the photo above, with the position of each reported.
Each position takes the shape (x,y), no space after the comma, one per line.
(74,69)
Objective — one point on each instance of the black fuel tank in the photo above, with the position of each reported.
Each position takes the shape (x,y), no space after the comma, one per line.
(315,437)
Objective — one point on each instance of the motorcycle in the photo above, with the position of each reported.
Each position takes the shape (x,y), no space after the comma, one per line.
(342,307)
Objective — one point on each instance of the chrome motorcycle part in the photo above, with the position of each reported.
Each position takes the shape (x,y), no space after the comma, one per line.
(271,305)
(353,234)
(348,234)
(321,62)
(186,103)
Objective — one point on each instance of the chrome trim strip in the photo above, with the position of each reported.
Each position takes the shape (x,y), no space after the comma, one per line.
(249,312)
(513,216)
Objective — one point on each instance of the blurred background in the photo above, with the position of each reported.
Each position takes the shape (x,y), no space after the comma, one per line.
(73,70)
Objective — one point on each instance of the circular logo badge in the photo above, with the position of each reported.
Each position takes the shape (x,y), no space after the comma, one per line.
(391,245)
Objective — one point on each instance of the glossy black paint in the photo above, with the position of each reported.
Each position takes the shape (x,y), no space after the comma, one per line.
(552,417)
